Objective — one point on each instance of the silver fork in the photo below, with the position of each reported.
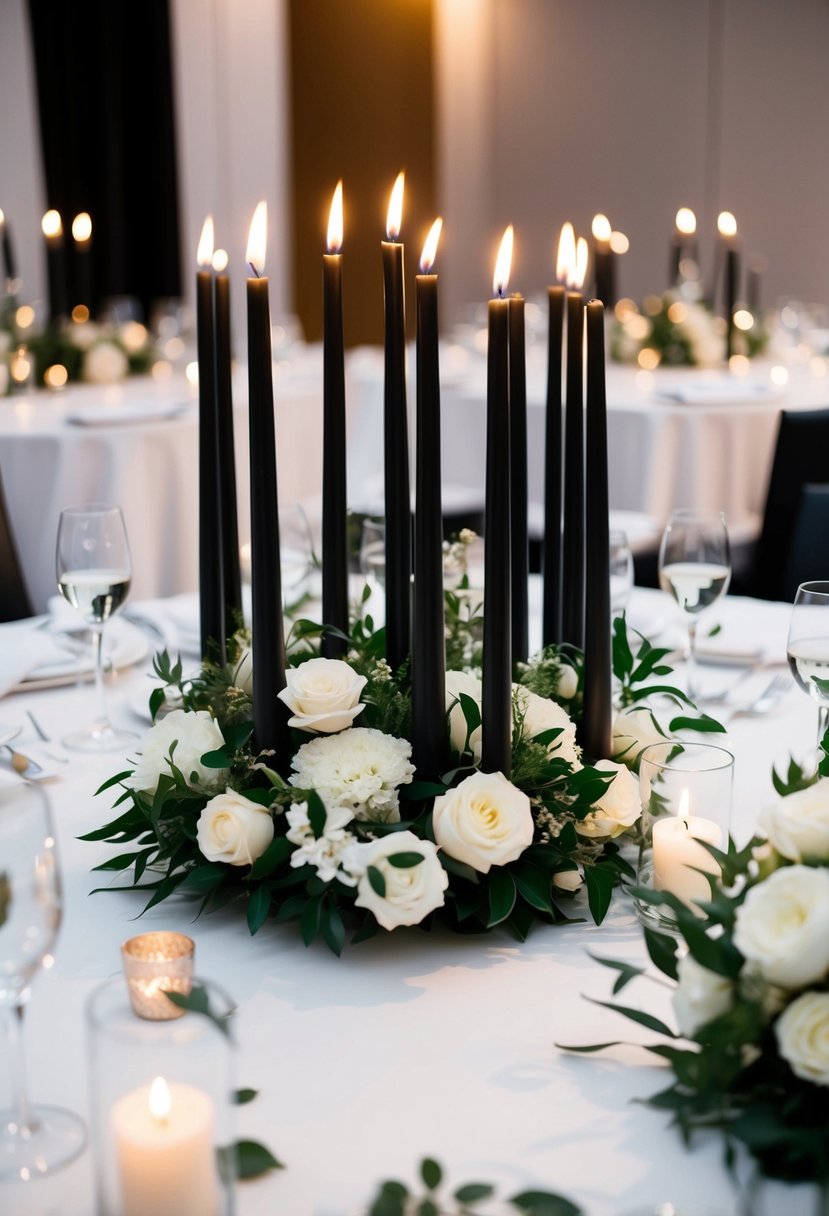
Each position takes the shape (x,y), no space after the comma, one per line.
(765,700)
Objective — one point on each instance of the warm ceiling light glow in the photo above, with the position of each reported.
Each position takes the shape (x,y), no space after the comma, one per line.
(619,243)
(779,375)
(80,314)
(430,248)
(503,264)
(394,217)
(648,358)
(204,253)
(52,224)
(160,1101)
(82,226)
(677,312)
(25,316)
(743,319)
(726,224)
(566,253)
(686,221)
(55,376)
(601,227)
(258,238)
(220,260)
(580,269)
(335,220)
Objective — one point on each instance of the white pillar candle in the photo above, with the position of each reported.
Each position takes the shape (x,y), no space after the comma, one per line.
(164,1145)
(677,848)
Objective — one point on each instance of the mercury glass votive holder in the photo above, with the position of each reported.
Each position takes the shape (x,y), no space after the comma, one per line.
(161,1108)
(686,805)
(154,964)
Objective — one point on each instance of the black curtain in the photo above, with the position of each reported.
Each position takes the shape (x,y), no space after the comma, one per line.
(105,95)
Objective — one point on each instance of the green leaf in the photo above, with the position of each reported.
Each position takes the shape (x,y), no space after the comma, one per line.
(116,780)
(317,814)
(431,1173)
(242,1096)
(333,928)
(637,1015)
(254,1159)
(278,850)
(259,905)
(405,861)
(703,723)
(427,1207)
(622,654)
(309,920)
(589,1048)
(156,701)
(544,1203)
(197,1000)
(534,886)
(662,950)
(474,1192)
(377,881)
(600,883)
(419,791)
(502,895)
(122,862)
(627,971)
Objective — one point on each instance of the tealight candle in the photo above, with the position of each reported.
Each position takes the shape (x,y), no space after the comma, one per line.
(154,964)
(164,1147)
(679,853)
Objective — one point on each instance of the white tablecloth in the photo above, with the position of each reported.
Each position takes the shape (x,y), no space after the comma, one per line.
(409,1044)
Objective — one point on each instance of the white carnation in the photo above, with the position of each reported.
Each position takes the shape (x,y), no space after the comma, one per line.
(194,734)
(325,852)
(360,769)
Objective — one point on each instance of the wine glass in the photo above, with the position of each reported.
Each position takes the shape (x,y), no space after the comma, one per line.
(94,572)
(33,1139)
(808,646)
(621,572)
(373,552)
(296,553)
(695,567)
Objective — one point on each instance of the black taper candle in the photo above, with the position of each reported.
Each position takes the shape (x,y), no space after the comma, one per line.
(496,697)
(9,263)
(597,719)
(520,552)
(334,535)
(732,274)
(82,264)
(428,642)
(396,462)
(211,599)
(270,715)
(231,571)
(572,615)
(55,266)
(551,556)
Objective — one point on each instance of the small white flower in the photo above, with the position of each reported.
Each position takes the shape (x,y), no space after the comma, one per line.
(485,821)
(798,825)
(411,892)
(568,880)
(541,714)
(323,695)
(194,734)
(105,363)
(361,769)
(233,829)
(700,996)
(802,1033)
(619,806)
(324,852)
(458,682)
(634,730)
(783,926)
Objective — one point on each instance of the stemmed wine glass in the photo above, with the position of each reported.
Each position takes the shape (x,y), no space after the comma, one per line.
(94,571)
(621,572)
(33,1139)
(808,646)
(695,567)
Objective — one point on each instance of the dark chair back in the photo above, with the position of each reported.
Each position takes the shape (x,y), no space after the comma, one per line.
(14,597)
(801,457)
(808,559)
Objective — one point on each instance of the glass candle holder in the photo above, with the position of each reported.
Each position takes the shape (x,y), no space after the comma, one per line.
(154,964)
(686,805)
(161,1105)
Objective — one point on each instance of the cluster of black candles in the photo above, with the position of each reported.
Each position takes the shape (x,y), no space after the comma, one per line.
(576,567)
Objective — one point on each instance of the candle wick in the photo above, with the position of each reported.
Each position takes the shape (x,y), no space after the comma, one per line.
(255,271)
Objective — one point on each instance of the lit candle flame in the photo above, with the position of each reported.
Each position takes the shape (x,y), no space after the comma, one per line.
(82,226)
(2,216)
(580,269)
(619,243)
(601,227)
(258,239)
(503,264)
(726,224)
(566,253)
(204,253)
(686,221)
(160,1101)
(684,800)
(220,259)
(335,220)
(394,217)
(52,224)
(427,257)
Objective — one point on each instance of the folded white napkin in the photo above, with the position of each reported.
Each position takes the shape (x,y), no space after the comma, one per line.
(25,646)
(716,390)
(174,621)
(105,414)
(728,648)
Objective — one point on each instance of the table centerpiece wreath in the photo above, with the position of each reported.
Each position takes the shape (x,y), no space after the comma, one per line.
(340,835)
(750,981)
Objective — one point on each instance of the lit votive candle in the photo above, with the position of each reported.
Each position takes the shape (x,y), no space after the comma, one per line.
(164,1145)
(679,852)
(154,964)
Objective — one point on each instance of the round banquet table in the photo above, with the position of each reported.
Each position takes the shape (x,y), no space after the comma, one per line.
(410,1044)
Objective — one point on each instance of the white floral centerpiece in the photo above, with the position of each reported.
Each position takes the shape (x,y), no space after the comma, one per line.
(679,329)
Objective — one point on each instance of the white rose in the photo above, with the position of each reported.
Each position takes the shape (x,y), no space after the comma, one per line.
(243,673)
(458,682)
(104,363)
(411,892)
(798,825)
(194,734)
(568,681)
(233,829)
(619,806)
(633,731)
(485,821)
(700,996)
(323,695)
(803,1037)
(567,880)
(540,714)
(783,926)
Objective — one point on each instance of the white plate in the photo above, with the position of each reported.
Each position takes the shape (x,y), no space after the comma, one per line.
(124,645)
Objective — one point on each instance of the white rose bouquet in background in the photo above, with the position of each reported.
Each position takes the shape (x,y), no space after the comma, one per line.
(751,1001)
(679,329)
